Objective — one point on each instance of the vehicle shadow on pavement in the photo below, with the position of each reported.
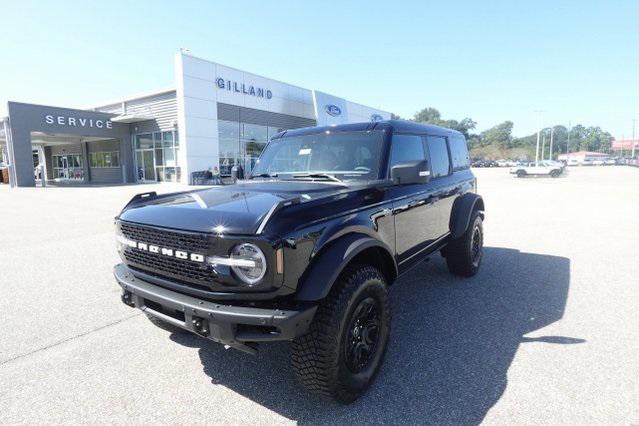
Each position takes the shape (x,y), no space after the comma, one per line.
(452,343)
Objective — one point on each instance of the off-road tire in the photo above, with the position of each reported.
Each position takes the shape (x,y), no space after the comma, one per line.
(461,259)
(320,358)
(521,173)
(164,325)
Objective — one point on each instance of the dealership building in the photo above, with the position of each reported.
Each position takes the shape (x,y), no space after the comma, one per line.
(215,117)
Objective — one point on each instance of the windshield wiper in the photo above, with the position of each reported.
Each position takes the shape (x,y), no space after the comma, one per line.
(264,175)
(318,176)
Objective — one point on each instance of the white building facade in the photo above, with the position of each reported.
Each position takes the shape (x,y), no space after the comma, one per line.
(215,117)
(226,115)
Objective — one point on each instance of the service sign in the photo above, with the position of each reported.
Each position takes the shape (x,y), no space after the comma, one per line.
(71,121)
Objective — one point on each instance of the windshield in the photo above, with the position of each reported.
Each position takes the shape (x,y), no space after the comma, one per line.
(346,155)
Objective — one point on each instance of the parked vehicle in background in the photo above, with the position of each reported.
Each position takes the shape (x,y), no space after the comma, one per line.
(610,162)
(502,163)
(543,168)
(586,162)
(598,162)
(559,164)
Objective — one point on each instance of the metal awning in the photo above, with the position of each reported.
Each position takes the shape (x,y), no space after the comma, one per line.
(130,118)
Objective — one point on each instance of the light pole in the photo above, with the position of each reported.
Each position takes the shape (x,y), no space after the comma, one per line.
(568,143)
(539,112)
(633,138)
(543,146)
(552,132)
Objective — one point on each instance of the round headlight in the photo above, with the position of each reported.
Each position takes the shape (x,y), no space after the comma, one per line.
(255,268)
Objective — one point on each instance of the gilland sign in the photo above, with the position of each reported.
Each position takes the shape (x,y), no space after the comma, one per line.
(67,120)
(246,89)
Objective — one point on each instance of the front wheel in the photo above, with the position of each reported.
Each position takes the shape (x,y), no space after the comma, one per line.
(521,173)
(555,173)
(342,352)
(464,254)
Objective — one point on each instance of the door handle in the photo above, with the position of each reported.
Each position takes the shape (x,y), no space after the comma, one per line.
(416,203)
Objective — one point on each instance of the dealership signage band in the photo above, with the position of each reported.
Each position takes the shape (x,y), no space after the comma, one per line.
(251,90)
(63,120)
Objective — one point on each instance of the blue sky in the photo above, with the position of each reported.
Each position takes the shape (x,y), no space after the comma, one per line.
(491,61)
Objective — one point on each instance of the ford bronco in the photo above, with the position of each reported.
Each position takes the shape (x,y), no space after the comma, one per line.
(305,248)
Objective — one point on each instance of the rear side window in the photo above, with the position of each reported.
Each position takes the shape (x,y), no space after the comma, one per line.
(459,152)
(406,148)
(439,160)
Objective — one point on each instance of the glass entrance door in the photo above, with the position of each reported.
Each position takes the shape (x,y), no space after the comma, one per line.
(145,166)
(68,167)
(65,167)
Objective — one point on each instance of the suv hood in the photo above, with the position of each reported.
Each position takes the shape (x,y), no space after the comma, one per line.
(233,209)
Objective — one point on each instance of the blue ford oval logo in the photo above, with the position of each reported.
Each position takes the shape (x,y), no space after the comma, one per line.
(376,117)
(333,110)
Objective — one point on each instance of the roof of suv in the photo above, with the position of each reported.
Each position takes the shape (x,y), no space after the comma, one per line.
(395,125)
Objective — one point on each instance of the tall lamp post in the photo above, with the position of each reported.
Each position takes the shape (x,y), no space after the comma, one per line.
(539,112)
(633,138)
(552,132)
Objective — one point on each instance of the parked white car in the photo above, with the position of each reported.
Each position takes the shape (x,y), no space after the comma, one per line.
(547,168)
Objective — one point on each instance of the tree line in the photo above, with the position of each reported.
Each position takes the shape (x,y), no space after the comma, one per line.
(582,138)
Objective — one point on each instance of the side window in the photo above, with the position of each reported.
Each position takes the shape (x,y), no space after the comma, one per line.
(459,152)
(439,160)
(406,148)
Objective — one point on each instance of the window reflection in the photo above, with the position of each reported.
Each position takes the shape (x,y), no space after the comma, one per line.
(242,143)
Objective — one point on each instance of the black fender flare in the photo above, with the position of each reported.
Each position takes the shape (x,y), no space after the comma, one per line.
(463,209)
(329,263)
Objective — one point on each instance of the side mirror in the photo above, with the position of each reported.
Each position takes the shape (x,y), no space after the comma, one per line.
(408,172)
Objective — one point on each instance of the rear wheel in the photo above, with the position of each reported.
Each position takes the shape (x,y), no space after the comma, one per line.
(521,173)
(554,173)
(342,352)
(464,254)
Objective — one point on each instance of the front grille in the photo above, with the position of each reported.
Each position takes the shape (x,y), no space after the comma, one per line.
(193,243)
(186,271)
(159,265)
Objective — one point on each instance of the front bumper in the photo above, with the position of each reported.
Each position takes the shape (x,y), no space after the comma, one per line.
(236,326)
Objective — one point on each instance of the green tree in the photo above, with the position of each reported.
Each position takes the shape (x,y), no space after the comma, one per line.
(428,115)
(431,115)
(499,135)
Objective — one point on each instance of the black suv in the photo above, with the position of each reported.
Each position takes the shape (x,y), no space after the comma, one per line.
(306,247)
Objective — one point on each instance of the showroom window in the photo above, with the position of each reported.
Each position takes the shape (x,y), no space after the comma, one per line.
(242,143)
(156,156)
(109,159)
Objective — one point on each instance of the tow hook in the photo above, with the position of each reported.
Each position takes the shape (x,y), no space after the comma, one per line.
(127,299)
(201,326)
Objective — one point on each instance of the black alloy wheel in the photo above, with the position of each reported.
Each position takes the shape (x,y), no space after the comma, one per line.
(362,336)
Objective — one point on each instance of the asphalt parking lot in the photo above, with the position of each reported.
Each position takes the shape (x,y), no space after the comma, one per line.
(547,332)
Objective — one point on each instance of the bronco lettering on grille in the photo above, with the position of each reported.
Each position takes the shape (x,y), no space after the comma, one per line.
(195,257)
